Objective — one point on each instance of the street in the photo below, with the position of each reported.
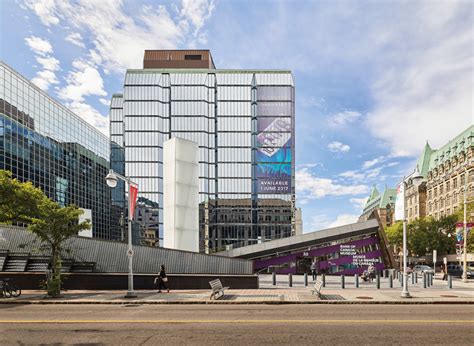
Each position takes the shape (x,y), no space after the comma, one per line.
(297,324)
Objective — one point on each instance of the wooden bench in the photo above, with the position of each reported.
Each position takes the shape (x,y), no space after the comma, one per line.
(217,289)
(318,285)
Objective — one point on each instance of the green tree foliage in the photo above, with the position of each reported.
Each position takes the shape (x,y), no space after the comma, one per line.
(425,235)
(470,218)
(51,223)
(18,201)
(53,228)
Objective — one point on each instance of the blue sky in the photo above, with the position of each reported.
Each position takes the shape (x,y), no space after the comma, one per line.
(374,79)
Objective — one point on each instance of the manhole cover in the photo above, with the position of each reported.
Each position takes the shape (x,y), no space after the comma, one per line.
(449,296)
(364,297)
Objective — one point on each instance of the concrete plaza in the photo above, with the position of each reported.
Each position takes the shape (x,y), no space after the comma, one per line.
(281,293)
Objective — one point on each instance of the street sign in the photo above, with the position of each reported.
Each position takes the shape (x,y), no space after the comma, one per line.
(435,256)
(130,252)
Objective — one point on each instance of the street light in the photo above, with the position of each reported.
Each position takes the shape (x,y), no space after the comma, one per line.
(112,180)
(464,267)
(416,180)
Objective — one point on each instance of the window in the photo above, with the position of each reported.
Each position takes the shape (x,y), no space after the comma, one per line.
(193,57)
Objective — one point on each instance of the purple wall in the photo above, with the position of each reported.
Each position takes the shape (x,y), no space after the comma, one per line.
(322,265)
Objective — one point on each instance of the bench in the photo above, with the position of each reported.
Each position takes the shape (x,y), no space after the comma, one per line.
(318,285)
(217,289)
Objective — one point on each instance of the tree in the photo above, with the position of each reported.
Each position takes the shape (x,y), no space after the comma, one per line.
(470,218)
(18,201)
(395,235)
(52,224)
(53,228)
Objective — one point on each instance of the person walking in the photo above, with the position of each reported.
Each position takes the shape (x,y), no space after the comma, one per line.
(444,269)
(313,270)
(162,279)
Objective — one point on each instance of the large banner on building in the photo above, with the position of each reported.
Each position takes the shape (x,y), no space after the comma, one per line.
(274,148)
(400,202)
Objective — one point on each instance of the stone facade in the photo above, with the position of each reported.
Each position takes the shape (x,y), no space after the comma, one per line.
(382,205)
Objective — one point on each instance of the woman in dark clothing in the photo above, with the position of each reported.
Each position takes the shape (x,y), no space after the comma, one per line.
(162,279)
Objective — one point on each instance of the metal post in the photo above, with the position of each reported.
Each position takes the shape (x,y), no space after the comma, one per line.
(305,279)
(290,280)
(416,277)
(274,279)
(450,282)
(464,256)
(377,280)
(431,279)
(130,292)
(424,280)
(323,276)
(356,279)
(413,278)
(390,281)
(343,281)
(428,280)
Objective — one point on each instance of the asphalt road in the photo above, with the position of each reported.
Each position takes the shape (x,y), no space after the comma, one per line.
(236,324)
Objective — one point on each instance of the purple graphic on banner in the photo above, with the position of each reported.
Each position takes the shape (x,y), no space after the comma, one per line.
(274,146)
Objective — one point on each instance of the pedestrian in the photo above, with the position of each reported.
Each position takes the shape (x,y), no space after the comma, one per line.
(445,272)
(162,279)
(313,270)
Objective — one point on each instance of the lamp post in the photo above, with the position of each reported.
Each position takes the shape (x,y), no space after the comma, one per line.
(112,179)
(464,256)
(416,179)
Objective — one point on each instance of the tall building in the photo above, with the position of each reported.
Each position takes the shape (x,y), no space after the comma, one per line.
(243,122)
(449,174)
(43,142)
(382,205)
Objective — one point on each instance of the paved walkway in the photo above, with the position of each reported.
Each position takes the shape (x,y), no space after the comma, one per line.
(281,293)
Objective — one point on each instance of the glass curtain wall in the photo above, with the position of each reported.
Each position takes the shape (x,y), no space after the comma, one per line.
(43,142)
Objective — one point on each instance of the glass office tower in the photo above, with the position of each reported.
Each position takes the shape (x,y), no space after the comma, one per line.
(243,122)
(43,142)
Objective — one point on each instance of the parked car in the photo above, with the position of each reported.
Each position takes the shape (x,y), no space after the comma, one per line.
(420,269)
(456,270)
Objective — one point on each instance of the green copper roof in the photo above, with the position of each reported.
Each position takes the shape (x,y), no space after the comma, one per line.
(373,196)
(423,162)
(459,143)
(388,197)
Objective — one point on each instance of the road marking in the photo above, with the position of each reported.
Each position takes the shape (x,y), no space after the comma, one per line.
(236,321)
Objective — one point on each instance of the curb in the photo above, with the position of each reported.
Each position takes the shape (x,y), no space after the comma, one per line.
(316,302)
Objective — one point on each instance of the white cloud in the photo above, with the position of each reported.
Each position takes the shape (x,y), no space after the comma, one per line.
(344,219)
(371,163)
(359,203)
(354,175)
(343,118)
(49,63)
(84,80)
(45,10)
(309,186)
(424,87)
(105,102)
(42,50)
(38,45)
(119,38)
(76,39)
(91,115)
(338,147)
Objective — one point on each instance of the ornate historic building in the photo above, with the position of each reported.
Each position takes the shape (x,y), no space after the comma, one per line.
(382,205)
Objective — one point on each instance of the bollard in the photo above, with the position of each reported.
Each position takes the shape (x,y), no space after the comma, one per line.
(450,282)
(390,281)
(274,278)
(356,280)
(323,277)
(413,278)
(343,281)
(431,279)
(377,280)
(416,277)
(400,278)
(290,280)
(306,279)
(424,280)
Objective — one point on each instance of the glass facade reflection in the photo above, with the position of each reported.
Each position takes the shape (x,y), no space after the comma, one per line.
(43,142)
(243,122)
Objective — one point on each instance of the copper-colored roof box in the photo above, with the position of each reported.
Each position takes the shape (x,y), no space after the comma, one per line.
(178,59)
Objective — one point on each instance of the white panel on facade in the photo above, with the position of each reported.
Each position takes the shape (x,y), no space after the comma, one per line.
(234,78)
(274,79)
(181,195)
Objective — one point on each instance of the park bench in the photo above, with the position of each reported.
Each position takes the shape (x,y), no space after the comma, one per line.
(217,289)
(318,285)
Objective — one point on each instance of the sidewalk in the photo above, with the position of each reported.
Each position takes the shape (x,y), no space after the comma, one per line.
(367,293)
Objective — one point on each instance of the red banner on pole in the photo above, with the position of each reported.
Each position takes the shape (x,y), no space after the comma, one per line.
(132,198)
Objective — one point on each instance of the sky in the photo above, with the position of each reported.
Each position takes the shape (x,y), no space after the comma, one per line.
(374,80)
